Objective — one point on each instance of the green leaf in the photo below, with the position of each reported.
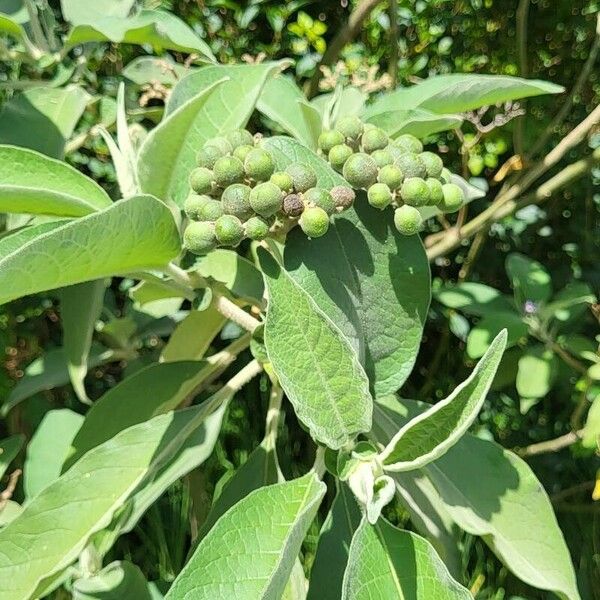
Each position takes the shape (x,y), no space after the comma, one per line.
(116,581)
(473,298)
(374,284)
(334,402)
(12,28)
(55,532)
(481,336)
(9,448)
(386,562)
(529,279)
(570,302)
(590,436)
(33,183)
(129,236)
(431,434)
(537,370)
(250,551)
(48,448)
(341,103)
(76,13)
(458,93)
(331,558)
(416,121)
(160,29)
(148,69)
(80,307)
(42,118)
(129,402)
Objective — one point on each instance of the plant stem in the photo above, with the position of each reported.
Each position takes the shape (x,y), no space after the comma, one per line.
(319,464)
(559,443)
(273,413)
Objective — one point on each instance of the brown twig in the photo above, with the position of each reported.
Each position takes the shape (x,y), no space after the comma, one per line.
(559,443)
(6,494)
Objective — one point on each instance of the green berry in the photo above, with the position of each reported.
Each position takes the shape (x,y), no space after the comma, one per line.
(208,156)
(433,163)
(256,228)
(391,175)
(382,158)
(415,192)
(236,201)
(242,151)
(350,127)
(282,180)
(302,176)
(408,220)
(379,196)
(259,164)
(360,170)
(292,205)
(221,143)
(436,193)
(240,137)
(409,142)
(446,176)
(194,205)
(314,221)
(211,210)
(343,196)
(338,155)
(412,165)
(374,139)
(395,152)
(199,237)
(328,139)
(453,199)
(321,198)
(228,170)
(229,230)
(265,199)
(201,180)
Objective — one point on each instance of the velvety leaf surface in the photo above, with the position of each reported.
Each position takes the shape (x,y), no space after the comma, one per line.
(117,581)
(250,551)
(375,283)
(9,448)
(33,183)
(334,402)
(76,13)
(386,562)
(128,236)
(146,69)
(435,431)
(415,121)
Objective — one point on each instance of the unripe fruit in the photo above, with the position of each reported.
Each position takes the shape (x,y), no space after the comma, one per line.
(229,230)
(436,193)
(199,237)
(374,139)
(282,180)
(408,220)
(351,127)
(265,199)
(379,196)
(433,164)
(415,192)
(208,156)
(302,176)
(314,222)
(221,143)
(360,170)
(391,175)
(453,199)
(395,151)
(338,155)
(412,165)
(328,139)
(409,142)
(321,198)
(259,164)
(242,151)
(201,180)
(256,228)
(236,201)
(382,158)
(240,137)
(228,170)
(343,196)
(211,210)
(193,206)
(446,176)
(292,205)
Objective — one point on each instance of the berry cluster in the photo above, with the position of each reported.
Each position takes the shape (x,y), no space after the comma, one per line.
(394,172)
(237,194)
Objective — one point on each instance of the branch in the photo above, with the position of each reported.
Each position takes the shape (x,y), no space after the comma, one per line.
(559,443)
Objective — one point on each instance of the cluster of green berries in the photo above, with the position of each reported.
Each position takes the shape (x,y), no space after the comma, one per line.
(236,193)
(393,172)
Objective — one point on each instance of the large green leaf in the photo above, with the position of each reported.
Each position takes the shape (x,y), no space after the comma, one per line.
(9,448)
(430,435)
(117,581)
(130,235)
(537,371)
(33,183)
(334,402)
(416,121)
(148,69)
(473,298)
(458,92)
(374,284)
(530,280)
(386,562)
(250,551)
(481,336)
